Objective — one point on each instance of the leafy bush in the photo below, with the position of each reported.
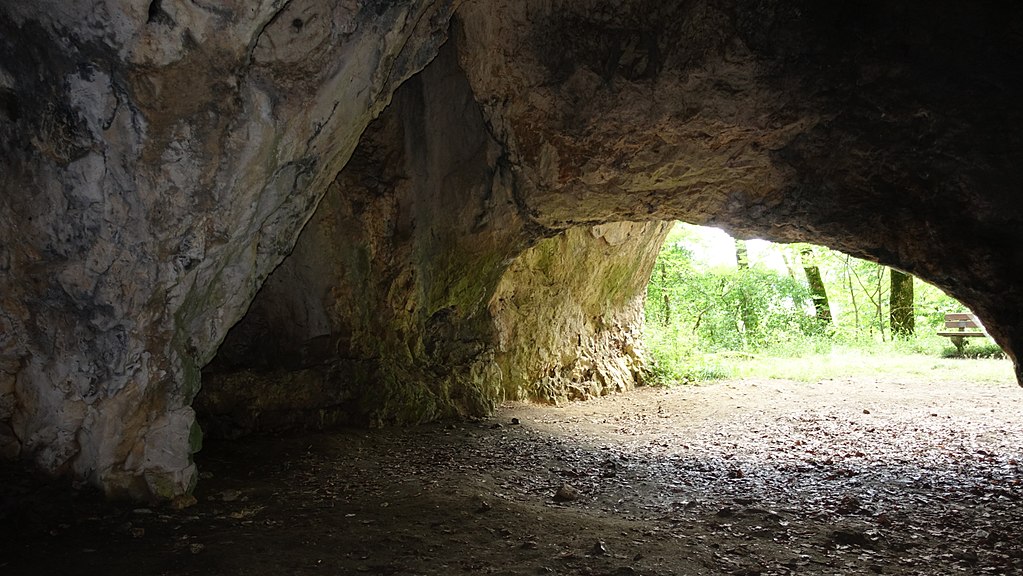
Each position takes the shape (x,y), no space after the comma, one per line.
(698,319)
(984,349)
(740,310)
(676,359)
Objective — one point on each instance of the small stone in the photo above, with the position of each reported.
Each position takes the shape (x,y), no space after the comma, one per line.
(196,548)
(529,545)
(515,421)
(138,532)
(566,493)
(230,495)
(599,548)
(496,425)
(853,537)
(484,506)
(865,411)
(182,502)
(849,505)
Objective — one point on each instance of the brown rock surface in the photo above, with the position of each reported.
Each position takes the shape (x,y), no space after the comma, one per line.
(161,159)
(890,131)
(158,163)
(414,294)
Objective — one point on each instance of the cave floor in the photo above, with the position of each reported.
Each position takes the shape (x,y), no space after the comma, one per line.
(848,476)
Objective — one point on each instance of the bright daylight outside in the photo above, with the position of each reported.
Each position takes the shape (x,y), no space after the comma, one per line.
(718,307)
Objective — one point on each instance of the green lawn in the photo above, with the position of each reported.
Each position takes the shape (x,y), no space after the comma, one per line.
(852,362)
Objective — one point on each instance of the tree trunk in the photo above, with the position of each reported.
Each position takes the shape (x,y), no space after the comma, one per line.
(880,301)
(788,265)
(817,291)
(852,294)
(741,255)
(667,298)
(901,314)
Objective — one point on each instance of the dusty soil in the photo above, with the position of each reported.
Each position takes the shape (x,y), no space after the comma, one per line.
(737,477)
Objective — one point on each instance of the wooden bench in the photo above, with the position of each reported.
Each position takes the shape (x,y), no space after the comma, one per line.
(959,327)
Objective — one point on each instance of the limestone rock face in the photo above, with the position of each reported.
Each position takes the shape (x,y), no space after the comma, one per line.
(417,291)
(158,163)
(471,243)
(569,312)
(888,130)
(381,309)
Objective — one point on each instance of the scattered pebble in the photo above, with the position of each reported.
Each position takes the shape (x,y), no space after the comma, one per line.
(182,502)
(230,495)
(566,493)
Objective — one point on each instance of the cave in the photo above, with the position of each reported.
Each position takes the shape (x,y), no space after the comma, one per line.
(309,214)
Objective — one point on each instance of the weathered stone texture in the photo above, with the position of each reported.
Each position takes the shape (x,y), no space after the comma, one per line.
(386,311)
(160,159)
(569,312)
(158,163)
(383,301)
(888,130)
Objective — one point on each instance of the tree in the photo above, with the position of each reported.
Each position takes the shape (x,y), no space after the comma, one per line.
(901,313)
(741,254)
(665,294)
(870,279)
(817,292)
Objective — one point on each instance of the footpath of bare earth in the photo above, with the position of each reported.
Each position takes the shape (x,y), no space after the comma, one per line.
(857,475)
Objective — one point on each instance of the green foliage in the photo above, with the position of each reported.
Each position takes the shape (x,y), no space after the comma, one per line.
(701,320)
(691,312)
(984,349)
(859,294)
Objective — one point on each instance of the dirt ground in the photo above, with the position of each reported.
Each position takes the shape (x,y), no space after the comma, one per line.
(852,476)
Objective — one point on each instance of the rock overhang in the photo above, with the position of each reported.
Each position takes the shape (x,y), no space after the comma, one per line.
(193,147)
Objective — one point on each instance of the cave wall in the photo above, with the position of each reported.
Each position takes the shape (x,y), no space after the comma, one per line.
(158,161)
(382,304)
(569,312)
(888,130)
(417,292)
(161,159)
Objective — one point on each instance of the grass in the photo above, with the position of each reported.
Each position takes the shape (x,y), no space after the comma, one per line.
(845,362)
(923,358)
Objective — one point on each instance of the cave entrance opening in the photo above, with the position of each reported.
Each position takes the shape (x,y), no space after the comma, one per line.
(720,307)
